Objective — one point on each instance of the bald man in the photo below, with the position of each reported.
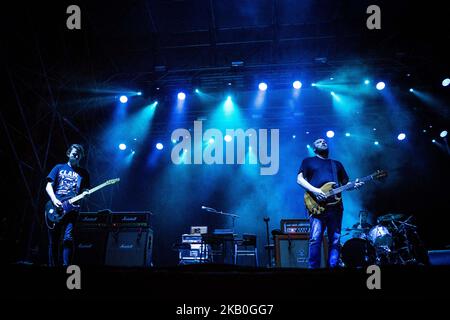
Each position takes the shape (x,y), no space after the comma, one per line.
(313,173)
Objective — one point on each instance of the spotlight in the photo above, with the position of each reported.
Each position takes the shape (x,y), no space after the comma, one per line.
(434,141)
(332,93)
(227,138)
(366,81)
(181,96)
(297,84)
(159,146)
(197,91)
(380,85)
(139,93)
(401,136)
(443,134)
(446,82)
(123,99)
(122,146)
(262,86)
(308,146)
(411,90)
(313,84)
(376,143)
(332,78)
(330,134)
(293,136)
(347,134)
(174,141)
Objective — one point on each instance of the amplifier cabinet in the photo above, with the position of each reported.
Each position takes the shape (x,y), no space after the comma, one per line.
(292,251)
(130,247)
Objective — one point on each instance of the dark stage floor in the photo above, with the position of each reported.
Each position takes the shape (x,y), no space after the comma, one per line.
(226,283)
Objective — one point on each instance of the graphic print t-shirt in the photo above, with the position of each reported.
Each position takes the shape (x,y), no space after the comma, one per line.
(67,181)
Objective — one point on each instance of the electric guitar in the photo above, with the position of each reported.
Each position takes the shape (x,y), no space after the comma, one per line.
(333,195)
(54,214)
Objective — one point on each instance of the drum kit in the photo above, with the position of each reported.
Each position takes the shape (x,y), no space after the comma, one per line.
(393,240)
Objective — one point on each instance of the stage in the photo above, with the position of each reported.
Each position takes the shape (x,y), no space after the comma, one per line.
(218,284)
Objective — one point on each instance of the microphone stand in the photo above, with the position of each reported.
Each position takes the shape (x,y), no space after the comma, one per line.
(232,215)
(268,248)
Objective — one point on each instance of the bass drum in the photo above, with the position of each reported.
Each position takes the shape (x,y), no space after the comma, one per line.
(358,252)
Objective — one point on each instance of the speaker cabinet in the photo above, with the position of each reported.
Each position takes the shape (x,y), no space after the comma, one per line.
(292,251)
(130,247)
(89,246)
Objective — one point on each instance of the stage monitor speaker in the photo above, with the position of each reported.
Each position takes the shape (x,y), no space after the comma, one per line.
(130,247)
(292,251)
(89,245)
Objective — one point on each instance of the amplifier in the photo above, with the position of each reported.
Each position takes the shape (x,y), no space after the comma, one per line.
(131,219)
(93,219)
(191,238)
(295,226)
(131,247)
(292,251)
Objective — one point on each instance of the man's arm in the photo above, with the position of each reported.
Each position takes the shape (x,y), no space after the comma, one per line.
(51,194)
(309,187)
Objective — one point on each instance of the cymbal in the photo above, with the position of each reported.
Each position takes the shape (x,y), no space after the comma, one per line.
(391,216)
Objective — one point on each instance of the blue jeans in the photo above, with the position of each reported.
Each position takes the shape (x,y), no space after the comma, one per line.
(332,221)
(64,227)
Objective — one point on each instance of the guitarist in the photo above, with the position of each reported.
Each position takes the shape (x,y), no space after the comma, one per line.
(64,181)
(313,173)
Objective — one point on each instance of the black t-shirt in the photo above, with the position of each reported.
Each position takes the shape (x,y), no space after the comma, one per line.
(319,171)
(67,182)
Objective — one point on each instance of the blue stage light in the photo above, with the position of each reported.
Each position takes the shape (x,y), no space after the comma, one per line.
(262,86)
(122,146)
(294,136)
(347,134)
(181,96)
(313,84)
(197,91)
(332,93)
(330,133)
(376,143)
(446,82)
(297,84)
(443,134)
(159,146)
(308,146)
(366,81)
(139,93)
(123,99)
(411,90)
(380,85)
(401,136)
(434,140)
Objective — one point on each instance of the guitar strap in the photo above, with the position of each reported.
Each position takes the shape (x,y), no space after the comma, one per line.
(334,171)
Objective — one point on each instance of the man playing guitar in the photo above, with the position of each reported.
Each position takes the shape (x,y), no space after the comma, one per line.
(64,181)
(313,173)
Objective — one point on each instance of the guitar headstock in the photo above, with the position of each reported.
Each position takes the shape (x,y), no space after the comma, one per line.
(379,174)
(112,181)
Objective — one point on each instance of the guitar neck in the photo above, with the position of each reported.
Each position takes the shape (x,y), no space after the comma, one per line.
(350,185)
(81,196)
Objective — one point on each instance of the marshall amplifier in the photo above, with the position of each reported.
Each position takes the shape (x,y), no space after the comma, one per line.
(295,226)
(130,247)
(292,251)
(89,245)
(93,219)
(131,219)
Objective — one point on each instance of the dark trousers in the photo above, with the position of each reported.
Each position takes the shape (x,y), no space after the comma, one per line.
(63,229)
(331,220)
